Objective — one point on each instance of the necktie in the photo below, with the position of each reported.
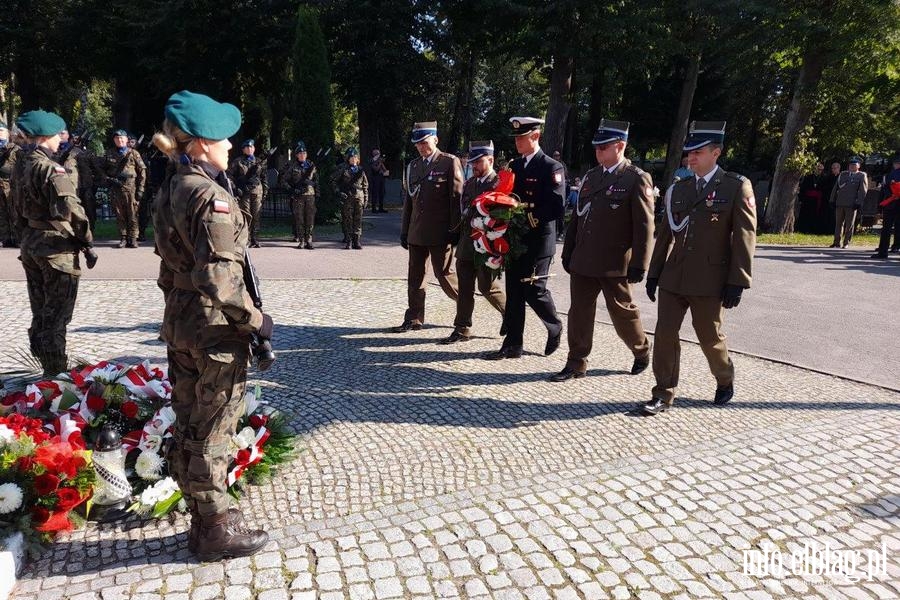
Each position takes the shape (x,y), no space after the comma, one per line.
(701,183)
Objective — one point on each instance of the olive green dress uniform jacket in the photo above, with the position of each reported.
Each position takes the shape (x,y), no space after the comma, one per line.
(54,225)
(616,232)
(849,190)
(716,248)
(430,214)
(473,188)
(201,238)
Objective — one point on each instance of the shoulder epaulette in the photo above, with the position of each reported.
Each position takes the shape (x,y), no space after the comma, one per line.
(636,169)
(737,176)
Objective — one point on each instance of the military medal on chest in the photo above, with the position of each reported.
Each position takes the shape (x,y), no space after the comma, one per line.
(710,200)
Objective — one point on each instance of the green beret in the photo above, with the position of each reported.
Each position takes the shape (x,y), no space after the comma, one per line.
(40,123)
(351,151)
(201,116)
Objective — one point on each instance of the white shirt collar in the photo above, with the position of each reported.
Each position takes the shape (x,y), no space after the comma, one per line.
(708,176)
(528,157)
(615,166)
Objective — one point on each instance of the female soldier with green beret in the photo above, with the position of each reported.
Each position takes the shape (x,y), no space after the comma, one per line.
(54,231)
(209,321)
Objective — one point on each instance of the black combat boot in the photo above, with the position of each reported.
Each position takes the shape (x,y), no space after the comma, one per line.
(356,245)
(142,236)
(309,245)
(131,243)
(219,538)
(347,244)
(122,242)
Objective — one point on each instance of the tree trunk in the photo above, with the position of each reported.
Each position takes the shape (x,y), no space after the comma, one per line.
(595,113)
(679,131)
(554,133)
(779,211)
(121,106)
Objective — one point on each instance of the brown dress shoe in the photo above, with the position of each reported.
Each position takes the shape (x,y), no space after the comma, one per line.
(505,352)
(219,538)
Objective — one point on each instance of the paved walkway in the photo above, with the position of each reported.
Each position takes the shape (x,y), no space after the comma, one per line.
(428,472)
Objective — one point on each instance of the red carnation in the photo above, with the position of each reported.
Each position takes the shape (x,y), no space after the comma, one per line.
(46,483)
(243,456)
(257,421)
(96,403)
(130,409)
(76,440)
(69,498)
(39,515)
(25,463)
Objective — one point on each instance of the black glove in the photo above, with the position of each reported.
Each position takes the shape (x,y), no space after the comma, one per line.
(265,330)
(90,257)
(731,295)
(635,275)
(403,241)
(652,282)
(453,237)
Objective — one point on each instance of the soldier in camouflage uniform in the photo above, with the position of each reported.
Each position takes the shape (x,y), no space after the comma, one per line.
(352,187)
(124,174)
(301,179)
(244,171)
(209,319)
(54,231)
(9,153)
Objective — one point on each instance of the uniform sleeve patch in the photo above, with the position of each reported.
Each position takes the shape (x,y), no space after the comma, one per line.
(221,206)
(557,177)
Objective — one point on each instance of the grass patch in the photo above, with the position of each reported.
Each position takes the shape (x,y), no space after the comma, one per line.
(866,239)
(108,230)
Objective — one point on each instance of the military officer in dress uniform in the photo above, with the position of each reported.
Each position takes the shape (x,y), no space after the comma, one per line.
(433,187)
(607,248)
(702,261)
(125,175)
(244,172)
(540,183)
(483,179)
(847,197)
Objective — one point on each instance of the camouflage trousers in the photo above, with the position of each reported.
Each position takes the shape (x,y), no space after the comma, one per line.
(51,294)
(351,216)
(304,210)
(7,214)
(125,204)
(251,205)
(208,399)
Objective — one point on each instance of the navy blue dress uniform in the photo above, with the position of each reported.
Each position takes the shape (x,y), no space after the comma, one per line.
(540,184)
(702,261)
(890,213)
(607,248)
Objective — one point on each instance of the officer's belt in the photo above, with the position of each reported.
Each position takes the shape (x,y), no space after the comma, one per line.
(43,225)
(182,281)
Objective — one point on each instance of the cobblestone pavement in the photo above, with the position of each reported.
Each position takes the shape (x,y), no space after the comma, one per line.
(430,473)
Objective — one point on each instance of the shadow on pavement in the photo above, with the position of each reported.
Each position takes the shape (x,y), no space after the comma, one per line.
(856,259)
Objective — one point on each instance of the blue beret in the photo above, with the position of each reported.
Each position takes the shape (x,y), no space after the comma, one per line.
(300,147)
(248,142)
(40,122)
(119,132)
(351,151)
(201,116)
(855,159)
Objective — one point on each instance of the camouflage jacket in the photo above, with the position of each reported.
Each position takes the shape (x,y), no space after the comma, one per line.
(8,156)
(128,169)
(301,178)
(239,172)
(201,238)
(350,183)
(55,225)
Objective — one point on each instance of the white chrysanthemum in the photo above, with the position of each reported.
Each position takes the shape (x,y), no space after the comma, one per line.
(149,465)
(10,498)
(7,435)
(160,490)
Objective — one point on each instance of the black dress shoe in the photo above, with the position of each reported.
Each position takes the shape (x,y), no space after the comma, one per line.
(566,374)
(654,406)
(553,342)
(835,246)
(503,329)
(879,255)
(640,365)
(505,352)
(407,326)
(454,337)
(845,244)
(724,393)
(894,250)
